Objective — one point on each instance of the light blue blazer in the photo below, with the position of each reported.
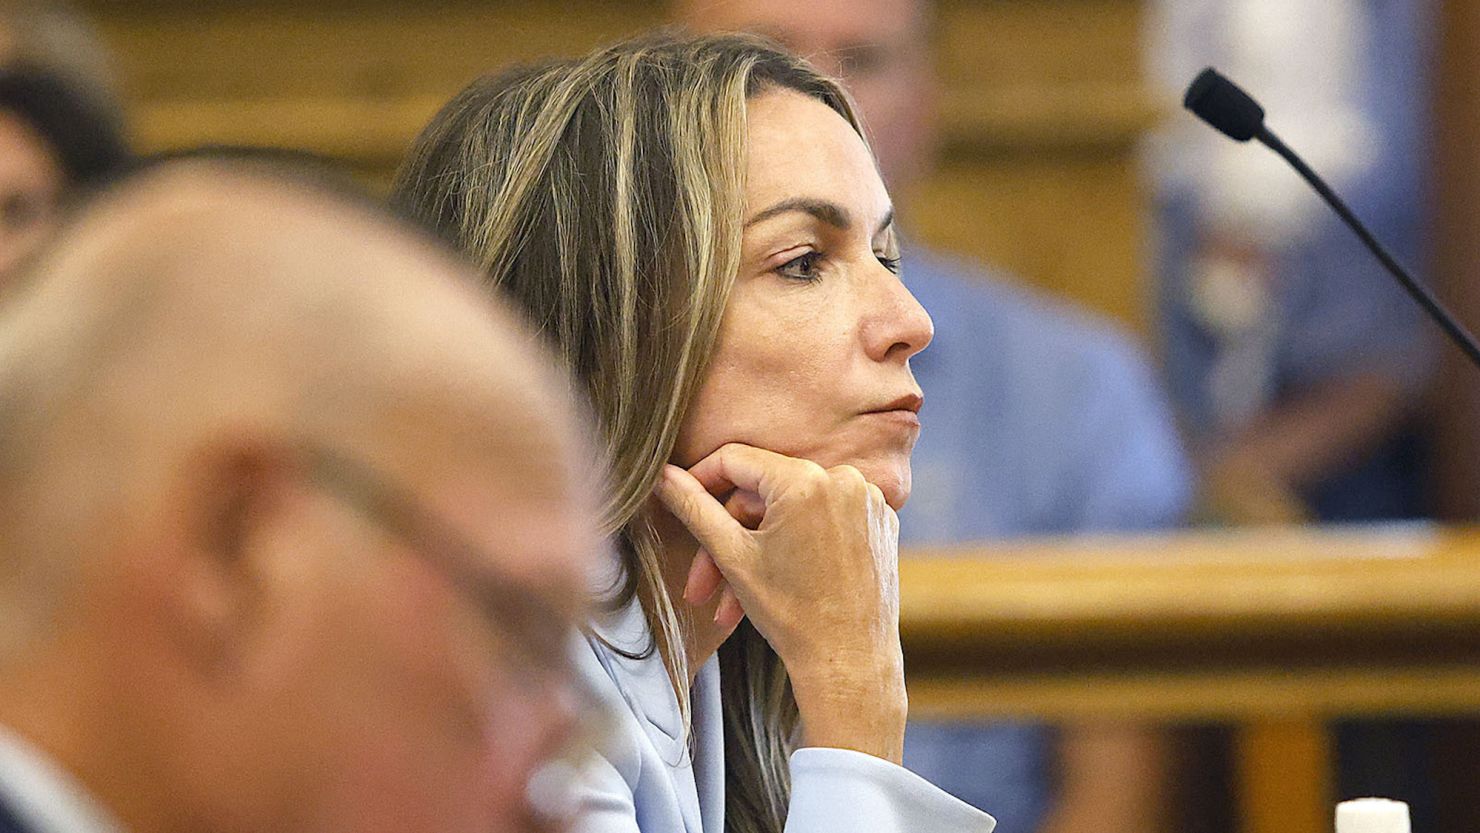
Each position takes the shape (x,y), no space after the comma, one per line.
(646,779)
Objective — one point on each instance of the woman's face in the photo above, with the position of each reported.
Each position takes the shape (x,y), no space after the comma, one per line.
(813,355)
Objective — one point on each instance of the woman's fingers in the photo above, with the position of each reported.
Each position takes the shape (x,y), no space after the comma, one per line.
(704,579)
(706,518)
(818,576)
(746,507)
(751,469)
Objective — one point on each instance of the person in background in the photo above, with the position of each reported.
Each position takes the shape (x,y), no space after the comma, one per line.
(1295,361)
(1040,420)
(296,525)
(55,141)
(54,36)
(61,126)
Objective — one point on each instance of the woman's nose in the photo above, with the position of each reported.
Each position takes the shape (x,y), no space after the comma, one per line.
(899,327)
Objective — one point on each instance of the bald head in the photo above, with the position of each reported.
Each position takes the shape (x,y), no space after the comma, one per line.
(199,302)
(173,373)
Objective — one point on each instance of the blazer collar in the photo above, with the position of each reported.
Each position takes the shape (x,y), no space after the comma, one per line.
(695,762)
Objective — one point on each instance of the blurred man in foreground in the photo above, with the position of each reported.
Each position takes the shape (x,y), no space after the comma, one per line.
(292,527)
(1039,421)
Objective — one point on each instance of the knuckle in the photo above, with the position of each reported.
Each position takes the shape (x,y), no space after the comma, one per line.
(811,474)
(848,475)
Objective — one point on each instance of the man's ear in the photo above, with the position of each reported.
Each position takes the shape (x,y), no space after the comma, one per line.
(228,496)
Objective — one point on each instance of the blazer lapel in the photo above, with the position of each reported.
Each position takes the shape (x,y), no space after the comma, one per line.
(709,754)
(645,686)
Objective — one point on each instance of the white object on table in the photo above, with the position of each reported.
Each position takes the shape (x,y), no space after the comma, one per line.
(1372,815)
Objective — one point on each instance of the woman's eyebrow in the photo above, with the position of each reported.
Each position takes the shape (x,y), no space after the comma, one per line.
(825,210)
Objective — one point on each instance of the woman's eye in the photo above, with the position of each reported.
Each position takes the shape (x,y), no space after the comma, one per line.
(890,263)
(801,268)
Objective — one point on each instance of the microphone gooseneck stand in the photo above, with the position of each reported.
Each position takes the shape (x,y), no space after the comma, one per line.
(1222,104)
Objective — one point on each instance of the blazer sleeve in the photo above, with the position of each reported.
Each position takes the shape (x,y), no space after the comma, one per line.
(842,791)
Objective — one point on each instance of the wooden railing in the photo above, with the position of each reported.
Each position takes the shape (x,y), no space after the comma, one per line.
(1277,631)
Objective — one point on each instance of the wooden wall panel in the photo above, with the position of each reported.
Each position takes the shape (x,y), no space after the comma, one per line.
(1044,110)
(371,49)
(355,81)
(1040,41)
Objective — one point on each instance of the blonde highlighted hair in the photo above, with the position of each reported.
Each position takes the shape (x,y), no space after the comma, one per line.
(605,195)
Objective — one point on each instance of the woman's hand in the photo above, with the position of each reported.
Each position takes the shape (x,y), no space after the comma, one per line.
(818,577)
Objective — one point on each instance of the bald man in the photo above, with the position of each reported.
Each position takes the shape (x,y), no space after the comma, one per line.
(292,526)
(1042,421)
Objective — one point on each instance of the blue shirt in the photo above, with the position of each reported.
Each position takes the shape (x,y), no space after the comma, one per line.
(1038,420)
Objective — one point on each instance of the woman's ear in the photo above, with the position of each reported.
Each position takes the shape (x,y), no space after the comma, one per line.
(229,496)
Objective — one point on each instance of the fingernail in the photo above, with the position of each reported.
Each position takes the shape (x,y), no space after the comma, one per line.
(727,616)
(729,608)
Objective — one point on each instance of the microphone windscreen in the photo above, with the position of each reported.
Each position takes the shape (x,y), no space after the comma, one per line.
(1221,103)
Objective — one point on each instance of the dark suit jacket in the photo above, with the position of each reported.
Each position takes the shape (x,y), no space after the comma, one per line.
(8,821)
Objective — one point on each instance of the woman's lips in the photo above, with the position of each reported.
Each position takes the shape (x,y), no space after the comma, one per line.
(904,410)
(912,402)
(903,417)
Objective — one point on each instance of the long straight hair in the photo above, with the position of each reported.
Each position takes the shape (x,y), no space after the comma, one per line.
(605,195)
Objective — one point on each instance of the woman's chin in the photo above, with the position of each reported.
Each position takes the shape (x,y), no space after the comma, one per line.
(892,478)
(889,470)
(897,494)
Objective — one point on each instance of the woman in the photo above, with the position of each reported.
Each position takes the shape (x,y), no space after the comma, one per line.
(699,227)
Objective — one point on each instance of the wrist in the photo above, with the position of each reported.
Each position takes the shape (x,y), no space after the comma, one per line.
(859,707)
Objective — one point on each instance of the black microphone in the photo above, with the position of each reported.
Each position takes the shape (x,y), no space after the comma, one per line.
(1222,104)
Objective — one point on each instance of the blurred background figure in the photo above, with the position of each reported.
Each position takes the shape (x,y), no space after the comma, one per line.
(54,36)
(60,125)
(1038,420)
(251,581)
(1296,363)
(53,143)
